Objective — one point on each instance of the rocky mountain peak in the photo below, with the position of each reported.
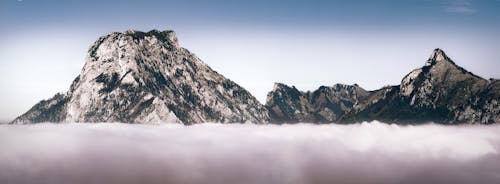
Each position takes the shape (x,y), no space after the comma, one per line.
(437,55)
(354,87)
(281,90)
(167,36)
(441,85)
(279,86)
(167,39)
(146,77)
(438,69)
(325,104)
(440,91)
(439,63)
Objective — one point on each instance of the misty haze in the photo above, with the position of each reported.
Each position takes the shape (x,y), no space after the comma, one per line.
(246,153)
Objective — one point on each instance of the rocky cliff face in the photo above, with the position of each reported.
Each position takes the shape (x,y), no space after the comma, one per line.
(440,92)
(146,77)
(326,104)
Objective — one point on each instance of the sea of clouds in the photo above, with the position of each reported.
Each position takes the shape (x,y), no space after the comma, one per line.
(246,153)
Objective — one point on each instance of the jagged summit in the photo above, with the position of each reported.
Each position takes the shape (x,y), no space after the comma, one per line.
(326,104)
(436,56)
(168,35)
(440,91)
(439,68)
(146,77)
(279,85)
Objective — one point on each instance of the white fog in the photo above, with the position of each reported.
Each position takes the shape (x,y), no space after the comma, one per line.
(245,153)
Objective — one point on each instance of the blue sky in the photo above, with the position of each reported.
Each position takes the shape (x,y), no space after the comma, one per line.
(255,43)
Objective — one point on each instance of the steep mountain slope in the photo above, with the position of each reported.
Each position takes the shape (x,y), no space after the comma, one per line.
(145,77)
(440,92)
(326,104)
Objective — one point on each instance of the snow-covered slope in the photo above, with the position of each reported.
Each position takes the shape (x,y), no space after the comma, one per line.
(146,77)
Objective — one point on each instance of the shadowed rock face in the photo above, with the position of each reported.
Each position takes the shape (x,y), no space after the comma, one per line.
(326,104)
(440,91)
(146,77)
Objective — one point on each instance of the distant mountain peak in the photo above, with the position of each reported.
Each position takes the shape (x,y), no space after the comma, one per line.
(278,85)
(325,104)
(146,77)
(436,56)
(440,91)
(439,58)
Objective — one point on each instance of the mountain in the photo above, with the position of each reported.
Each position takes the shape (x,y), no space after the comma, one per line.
(440,91)
(326,104)
(146,77)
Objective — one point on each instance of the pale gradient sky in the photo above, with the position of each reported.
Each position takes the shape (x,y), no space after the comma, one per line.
(302,43)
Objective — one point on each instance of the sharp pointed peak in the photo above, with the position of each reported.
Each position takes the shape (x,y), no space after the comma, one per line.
(438,55)
(438,50)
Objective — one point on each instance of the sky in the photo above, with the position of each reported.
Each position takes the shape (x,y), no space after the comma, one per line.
(254,43)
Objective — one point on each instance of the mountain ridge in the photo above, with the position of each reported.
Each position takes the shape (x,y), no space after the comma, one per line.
(440,91)
(147,77)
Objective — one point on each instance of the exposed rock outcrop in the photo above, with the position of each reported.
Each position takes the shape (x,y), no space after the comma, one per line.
(326,104)
(146,77)
(439,92)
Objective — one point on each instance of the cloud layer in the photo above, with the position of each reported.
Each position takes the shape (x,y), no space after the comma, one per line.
(459,6)
(240,153)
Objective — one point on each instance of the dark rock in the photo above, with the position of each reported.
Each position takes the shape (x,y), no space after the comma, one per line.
(440,91)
